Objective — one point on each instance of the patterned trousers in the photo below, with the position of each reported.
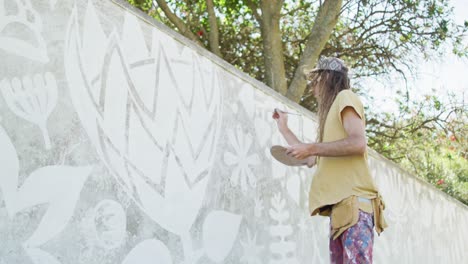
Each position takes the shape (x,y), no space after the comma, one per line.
(354,246)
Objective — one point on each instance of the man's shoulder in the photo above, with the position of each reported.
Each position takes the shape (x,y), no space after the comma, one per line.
(348,94)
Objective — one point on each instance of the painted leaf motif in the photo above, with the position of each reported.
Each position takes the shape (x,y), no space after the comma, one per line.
(220,231)
(31,46)
(10,168)
(149,252)
(179,208)
(60,186)
(282,246)
(39,256)
(140,116)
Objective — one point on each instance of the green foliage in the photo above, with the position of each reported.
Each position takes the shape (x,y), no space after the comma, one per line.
(144,5)
(374,37)
(428,139)
(386,36)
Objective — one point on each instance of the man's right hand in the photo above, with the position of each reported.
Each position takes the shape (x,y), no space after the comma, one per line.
(281,119)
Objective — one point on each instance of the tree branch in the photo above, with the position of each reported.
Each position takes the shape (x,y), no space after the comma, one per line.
(325,22)
(254,9)
(181,26)
(290,12)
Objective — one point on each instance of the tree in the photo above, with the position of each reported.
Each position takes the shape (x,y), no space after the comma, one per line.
(276,40)
(428,139)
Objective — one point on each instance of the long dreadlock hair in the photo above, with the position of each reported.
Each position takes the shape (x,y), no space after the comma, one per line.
(330,83)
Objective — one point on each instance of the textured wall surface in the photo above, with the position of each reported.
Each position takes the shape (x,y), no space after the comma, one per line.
(121,142)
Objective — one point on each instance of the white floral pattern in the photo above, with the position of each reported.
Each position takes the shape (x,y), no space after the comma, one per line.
(31,46)
(32,98)
(242,159)
(143,131)
(252,252)
(148,125)
(258,209)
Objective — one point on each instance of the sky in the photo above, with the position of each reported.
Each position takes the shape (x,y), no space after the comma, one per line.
(448,73)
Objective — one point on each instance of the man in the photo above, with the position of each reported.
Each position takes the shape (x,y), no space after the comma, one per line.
(342,187)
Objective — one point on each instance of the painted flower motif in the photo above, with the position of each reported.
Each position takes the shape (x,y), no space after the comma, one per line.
(252,251)
(144,120)
(139,115)
(32,98)
(31,45)
(258,209)
(241,158)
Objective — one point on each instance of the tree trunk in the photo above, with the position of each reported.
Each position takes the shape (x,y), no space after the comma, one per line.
(214,32)
(324,24)
(275,75)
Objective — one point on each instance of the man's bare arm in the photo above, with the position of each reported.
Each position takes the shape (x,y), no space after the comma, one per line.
(282,121)
(289,136)
(354,144)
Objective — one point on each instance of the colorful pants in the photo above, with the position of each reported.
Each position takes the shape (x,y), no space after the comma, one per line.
(355,244)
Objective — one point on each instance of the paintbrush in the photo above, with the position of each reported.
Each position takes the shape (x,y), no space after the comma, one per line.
(275,112)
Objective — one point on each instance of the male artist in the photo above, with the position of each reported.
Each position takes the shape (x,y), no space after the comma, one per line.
(342,186)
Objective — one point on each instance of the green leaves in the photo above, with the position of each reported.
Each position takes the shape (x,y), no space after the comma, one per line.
(144,5)
(374,37)
(437,104)
(427,138)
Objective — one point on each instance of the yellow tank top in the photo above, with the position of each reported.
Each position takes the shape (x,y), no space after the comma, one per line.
(337,178)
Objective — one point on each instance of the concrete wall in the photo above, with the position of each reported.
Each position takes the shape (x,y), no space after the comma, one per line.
(122,142)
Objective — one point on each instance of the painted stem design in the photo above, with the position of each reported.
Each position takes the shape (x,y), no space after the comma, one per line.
(45,134)
(32,98)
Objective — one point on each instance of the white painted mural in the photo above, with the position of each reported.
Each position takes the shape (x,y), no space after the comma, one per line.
(122,142)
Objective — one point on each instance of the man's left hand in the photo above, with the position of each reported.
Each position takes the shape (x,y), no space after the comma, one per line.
(299,151)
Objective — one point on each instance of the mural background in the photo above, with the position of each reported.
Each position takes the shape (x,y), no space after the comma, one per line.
(122,142)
